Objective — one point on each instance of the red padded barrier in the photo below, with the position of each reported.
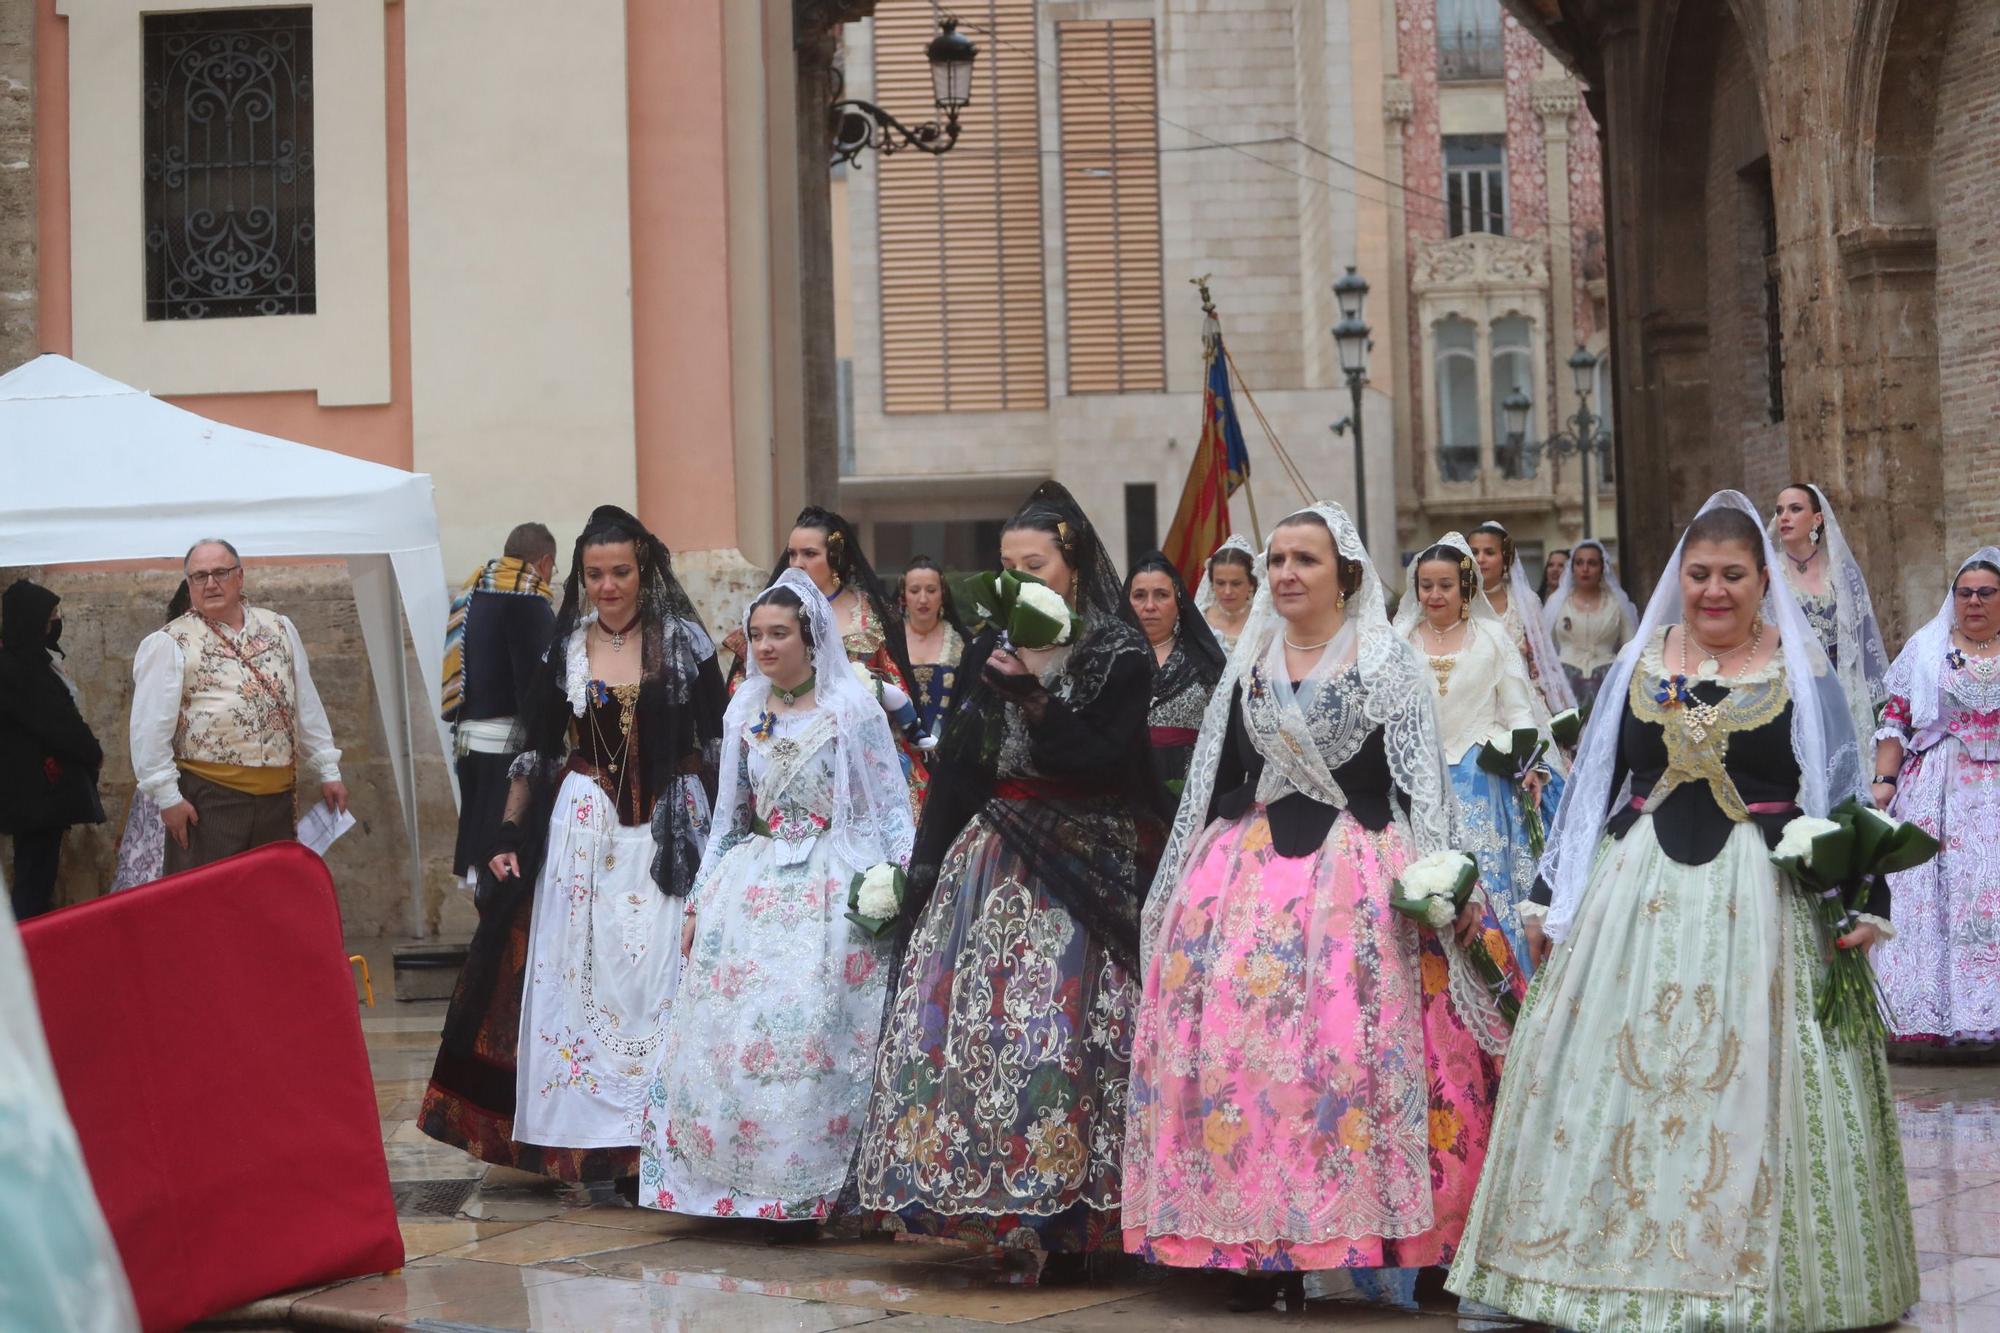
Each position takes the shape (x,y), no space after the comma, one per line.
(206,1034)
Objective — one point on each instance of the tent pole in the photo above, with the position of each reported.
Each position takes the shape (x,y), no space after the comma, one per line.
(412,818)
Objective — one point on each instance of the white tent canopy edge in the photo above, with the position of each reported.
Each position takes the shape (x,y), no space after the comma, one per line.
(97,471)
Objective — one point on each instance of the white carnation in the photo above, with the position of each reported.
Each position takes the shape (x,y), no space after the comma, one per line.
(1798,837)
(1044,600)
(878,898)
(1434,876)
(1440,913)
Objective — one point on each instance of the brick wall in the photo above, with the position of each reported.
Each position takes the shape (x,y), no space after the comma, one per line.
(1966,178)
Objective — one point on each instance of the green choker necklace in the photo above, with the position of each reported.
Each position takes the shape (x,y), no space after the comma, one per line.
(797,692)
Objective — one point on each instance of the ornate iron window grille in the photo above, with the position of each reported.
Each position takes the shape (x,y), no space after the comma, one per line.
(229,164)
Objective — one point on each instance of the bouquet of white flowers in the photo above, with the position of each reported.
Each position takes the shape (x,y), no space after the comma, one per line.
(1567,728)
(1027,611)
(1835,860)
(875,898)
(1513,756)
(1432,892)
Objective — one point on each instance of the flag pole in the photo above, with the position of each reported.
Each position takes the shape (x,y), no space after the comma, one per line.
(1211,330)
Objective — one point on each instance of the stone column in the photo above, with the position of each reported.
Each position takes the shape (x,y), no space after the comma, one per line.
(1892,504)
(18,247)
(815,43)
(1555,100)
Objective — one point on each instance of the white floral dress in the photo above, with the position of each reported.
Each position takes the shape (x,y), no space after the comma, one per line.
(761,1093)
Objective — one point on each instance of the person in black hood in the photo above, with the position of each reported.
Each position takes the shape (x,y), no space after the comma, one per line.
(48,756)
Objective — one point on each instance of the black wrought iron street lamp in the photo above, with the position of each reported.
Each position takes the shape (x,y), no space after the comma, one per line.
(1350,338)
(1586,434)
(858,126)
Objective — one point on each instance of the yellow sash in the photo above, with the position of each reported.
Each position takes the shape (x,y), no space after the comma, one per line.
(261,780)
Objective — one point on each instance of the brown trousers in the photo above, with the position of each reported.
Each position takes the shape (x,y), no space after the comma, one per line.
(228,822)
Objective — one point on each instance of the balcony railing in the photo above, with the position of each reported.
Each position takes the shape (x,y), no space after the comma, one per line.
(1470,52)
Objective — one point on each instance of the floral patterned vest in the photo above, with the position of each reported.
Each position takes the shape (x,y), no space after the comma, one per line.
(230,713)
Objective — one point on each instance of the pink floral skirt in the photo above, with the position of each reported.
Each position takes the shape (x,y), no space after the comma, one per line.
(1304,1094)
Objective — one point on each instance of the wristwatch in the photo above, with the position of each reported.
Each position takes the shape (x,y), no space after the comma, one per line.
(1885,779)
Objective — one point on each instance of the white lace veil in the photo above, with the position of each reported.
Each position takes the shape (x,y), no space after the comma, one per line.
(1410,610)
(1397,700)
(1553,693)
(1823,740)
(1864,661)
(871,806)
(1914,676)
(1204,594)
(1552,615)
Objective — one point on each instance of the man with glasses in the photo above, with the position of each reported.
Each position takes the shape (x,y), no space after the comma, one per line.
(223,711)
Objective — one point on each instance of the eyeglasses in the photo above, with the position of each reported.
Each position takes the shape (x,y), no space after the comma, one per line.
(1980,595)
(205,576)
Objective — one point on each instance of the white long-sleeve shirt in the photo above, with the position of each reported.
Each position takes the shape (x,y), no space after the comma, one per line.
(157,673)
(1484,697)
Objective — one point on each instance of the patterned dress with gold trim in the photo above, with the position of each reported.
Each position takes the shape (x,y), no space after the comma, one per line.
(1679,1145)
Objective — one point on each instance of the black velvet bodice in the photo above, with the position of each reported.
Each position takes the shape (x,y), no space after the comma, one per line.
(1299,824)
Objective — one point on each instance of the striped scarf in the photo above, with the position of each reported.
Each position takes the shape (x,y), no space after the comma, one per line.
(508,574)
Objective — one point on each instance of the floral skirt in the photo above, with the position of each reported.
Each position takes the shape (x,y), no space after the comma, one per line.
(1304,1092)
(766,1071)
(1941,974)
(1497,836)
(1000,1085)
(1679,1146)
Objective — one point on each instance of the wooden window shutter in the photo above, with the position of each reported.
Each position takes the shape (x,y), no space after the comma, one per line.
(963,322)
(1111,207)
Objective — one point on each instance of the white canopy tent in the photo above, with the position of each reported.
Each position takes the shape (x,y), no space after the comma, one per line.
(92,470)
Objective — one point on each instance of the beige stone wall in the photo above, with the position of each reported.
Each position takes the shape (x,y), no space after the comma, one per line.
(17,183)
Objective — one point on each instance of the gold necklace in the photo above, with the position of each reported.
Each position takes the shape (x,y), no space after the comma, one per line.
(1700,718)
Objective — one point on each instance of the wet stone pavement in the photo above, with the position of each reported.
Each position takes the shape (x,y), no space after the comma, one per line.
(494,1249)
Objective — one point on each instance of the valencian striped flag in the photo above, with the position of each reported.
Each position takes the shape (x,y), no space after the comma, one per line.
(1221,465)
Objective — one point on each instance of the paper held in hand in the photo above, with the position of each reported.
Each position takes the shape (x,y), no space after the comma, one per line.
(321,827)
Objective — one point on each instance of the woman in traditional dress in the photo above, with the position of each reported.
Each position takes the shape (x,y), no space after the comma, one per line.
(826,547)
(1680,1144)
(607,818)
(999,1106)
(1589,619)
(1834,596)
(1553,565)
(1937,764)
(1187,662)
(766,1075)
(1228,584)
(1482,689)
(936,641)
(1314,1071)
(1520,611)
(142,848)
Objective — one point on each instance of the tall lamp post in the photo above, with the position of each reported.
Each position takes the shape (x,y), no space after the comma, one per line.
(1350,336)
(1586,434)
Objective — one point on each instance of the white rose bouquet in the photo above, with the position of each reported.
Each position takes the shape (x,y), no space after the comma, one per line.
(1027,611)
(1836,860)
(1432,892)
(875,898)
(1514,755)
